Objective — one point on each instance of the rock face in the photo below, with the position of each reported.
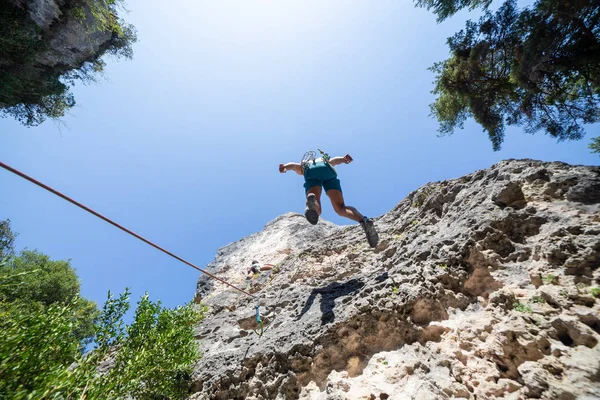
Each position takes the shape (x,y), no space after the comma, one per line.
(42,12)
(280,238)
(482,287)
(72,40)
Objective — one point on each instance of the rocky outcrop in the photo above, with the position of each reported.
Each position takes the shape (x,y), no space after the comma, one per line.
(50,45)
(482,287)
(42,12)
(280,238)
(72,38)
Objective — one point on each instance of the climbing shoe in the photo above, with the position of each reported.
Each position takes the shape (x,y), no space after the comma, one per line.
(311,209)
(369,228)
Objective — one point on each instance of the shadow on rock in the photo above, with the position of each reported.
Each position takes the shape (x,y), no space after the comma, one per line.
(328,295)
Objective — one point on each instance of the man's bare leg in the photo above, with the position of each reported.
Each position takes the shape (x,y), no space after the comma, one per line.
(337,201)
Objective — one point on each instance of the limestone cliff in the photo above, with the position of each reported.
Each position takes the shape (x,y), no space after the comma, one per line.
(47,45)
(74,31)
(482,287)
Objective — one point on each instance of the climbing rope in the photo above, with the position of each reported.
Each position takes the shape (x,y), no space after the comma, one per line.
(59,194)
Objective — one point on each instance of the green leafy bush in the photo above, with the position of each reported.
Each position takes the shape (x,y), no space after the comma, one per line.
(36,347)
(44,325)
(7,239)
(151,358)
(32,277)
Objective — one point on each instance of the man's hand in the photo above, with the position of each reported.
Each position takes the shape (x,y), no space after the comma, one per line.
(340,160)
(291,166)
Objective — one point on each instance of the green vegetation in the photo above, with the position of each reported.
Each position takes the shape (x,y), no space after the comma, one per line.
(273,274)
(443,266)
(594,291)
(45,324)
(151,357)
(537,299)
(524,308)
(424,194)
(550,279)
(31,91)
(537,67)
(595,145)
(32,278)
(7,239)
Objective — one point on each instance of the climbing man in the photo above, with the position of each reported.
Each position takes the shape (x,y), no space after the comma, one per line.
(319,173)
(256,267)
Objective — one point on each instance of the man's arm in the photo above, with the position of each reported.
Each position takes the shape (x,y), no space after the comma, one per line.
(291,166)
(340,160)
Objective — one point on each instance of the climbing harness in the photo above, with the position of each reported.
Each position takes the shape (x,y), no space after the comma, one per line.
(59,194)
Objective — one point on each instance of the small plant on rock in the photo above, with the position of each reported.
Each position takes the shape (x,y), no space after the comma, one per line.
(524,308)
(550,279)
(537,299)
(595,291)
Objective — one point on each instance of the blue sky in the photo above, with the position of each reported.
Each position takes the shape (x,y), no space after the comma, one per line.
(182,143)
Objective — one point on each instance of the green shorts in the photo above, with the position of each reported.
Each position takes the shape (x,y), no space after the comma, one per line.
(321,174)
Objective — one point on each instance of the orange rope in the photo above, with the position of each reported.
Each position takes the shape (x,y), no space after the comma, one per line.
(59,194)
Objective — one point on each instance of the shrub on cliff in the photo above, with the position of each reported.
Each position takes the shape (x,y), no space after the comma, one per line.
(45,325)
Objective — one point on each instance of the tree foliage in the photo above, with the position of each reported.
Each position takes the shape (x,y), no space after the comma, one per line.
(155,354)
(7,239)
(595,145)
(151,358)
(446,8)
(31,91)
(36,348)
(32,278)
(45,323)
(536,67)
